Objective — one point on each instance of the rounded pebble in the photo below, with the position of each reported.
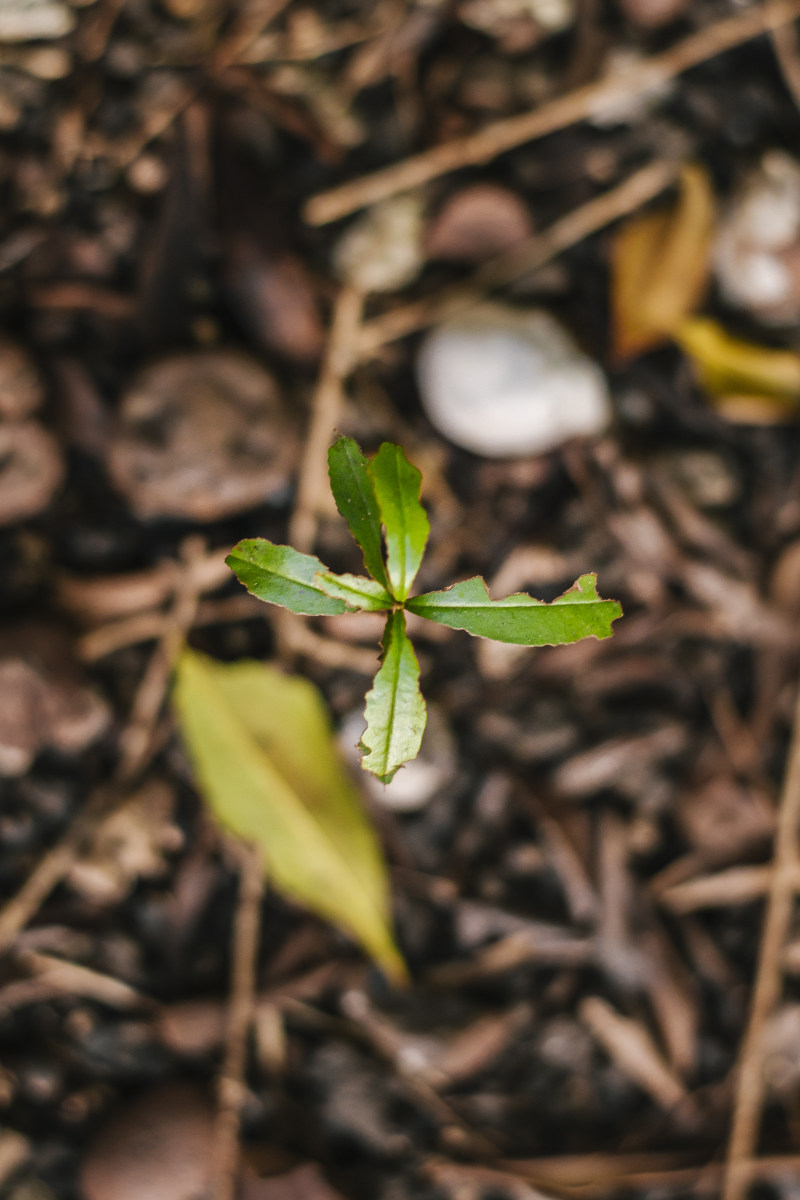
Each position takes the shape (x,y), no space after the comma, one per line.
(757,249)
(504,383)
(477,222)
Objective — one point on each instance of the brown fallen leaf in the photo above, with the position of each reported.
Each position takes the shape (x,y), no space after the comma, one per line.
(660,264)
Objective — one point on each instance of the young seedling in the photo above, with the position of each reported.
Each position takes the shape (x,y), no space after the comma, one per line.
(379,499)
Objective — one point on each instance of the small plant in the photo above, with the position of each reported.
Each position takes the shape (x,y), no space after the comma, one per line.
(379,499)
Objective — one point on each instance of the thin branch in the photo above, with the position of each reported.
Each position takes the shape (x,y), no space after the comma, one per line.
(749,1099)
(533,253)
(231,1086)
(74,979)
(478,148)
(340,357)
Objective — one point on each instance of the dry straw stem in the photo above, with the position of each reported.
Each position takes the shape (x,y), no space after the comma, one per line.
(340,357)
(478,148)
(738,885)
(593,1175)
(241,1008)
(749,1098)
(630,1046)
(149,626)
(533,253)
(66,978)
(136,744)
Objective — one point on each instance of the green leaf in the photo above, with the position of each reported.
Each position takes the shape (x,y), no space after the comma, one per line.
(354,494)
(405,522)
(282,575)
(395,711)
(261,747)
(521,619)
(357,591)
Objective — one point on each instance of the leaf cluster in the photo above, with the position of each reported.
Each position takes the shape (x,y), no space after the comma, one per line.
(379,499)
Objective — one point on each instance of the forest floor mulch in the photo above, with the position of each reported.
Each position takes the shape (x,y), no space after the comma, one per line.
(581,898)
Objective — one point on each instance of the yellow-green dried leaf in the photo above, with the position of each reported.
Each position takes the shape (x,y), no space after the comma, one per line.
(732,369)
(260,744)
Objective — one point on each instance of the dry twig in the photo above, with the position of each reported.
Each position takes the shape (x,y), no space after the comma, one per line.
(636,1055)
(62,977)
(749,1100)
(588,1175)
(340,357)
(231,1087)
(737,885)
(533,253)
(478,148)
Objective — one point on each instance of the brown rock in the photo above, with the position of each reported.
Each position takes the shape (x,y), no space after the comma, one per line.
(476,223)
(757,245)
(157,1148)
(31,468)
(202,436)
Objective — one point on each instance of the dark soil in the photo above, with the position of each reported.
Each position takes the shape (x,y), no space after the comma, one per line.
(152,197)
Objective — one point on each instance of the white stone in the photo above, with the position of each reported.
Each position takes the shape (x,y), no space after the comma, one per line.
(383,250)
(757,248)
(504,383)
(28,20)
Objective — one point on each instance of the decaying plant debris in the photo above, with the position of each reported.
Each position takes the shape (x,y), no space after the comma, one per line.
(224,229)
